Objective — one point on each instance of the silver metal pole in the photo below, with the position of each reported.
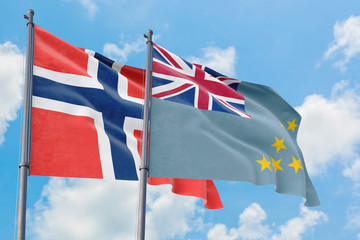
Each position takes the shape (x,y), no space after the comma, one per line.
(145,143)
(25,145)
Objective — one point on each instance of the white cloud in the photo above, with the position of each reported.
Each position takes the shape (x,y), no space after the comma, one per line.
(298,226)
(11,82)
(220,232)
(170,215)
(353,171)
(221,60)
(353,218)
(346,41)
(251,223)
(89,5)
(99,209)
(122,53)
(252,226)
(330,128)
(85,209)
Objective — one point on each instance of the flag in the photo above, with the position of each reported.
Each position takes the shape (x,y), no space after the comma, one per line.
(205,125)
(87,118)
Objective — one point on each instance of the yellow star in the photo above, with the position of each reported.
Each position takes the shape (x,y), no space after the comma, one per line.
(296,164)
(292,125)
(278,144)
(276,164)
(264,163)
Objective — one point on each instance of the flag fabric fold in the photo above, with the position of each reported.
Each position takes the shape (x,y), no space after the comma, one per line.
(87,116)
(205,125)
(204,189)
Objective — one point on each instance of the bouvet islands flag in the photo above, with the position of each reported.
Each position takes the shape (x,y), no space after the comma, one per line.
(205,125)
(87,118)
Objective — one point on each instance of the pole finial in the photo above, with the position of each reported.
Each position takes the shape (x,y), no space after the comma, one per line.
(31,12)
(149,36)
(30,16)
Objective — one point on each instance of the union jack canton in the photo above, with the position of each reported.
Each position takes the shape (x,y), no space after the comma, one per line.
(177,80)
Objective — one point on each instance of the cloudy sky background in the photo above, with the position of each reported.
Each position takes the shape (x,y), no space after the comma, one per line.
(308,52)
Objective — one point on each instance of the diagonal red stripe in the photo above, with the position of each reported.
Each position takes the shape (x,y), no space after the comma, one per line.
(168,56)
(172,91)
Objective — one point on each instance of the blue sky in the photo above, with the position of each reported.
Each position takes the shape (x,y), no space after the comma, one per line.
(308,51)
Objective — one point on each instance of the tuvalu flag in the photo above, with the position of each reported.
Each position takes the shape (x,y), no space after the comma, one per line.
(87,118)
(207,126)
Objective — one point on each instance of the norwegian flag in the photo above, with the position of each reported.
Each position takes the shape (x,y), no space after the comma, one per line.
(80,114)
(177,80)
(87,118)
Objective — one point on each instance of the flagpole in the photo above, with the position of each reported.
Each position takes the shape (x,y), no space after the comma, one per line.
(144,168)
(25,144)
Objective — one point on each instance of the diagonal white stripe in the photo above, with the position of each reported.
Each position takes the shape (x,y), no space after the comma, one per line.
(227,99)
(177,59)
(167,87)
(188,71)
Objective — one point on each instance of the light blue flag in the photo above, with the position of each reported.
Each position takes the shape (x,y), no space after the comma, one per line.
(259,147)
